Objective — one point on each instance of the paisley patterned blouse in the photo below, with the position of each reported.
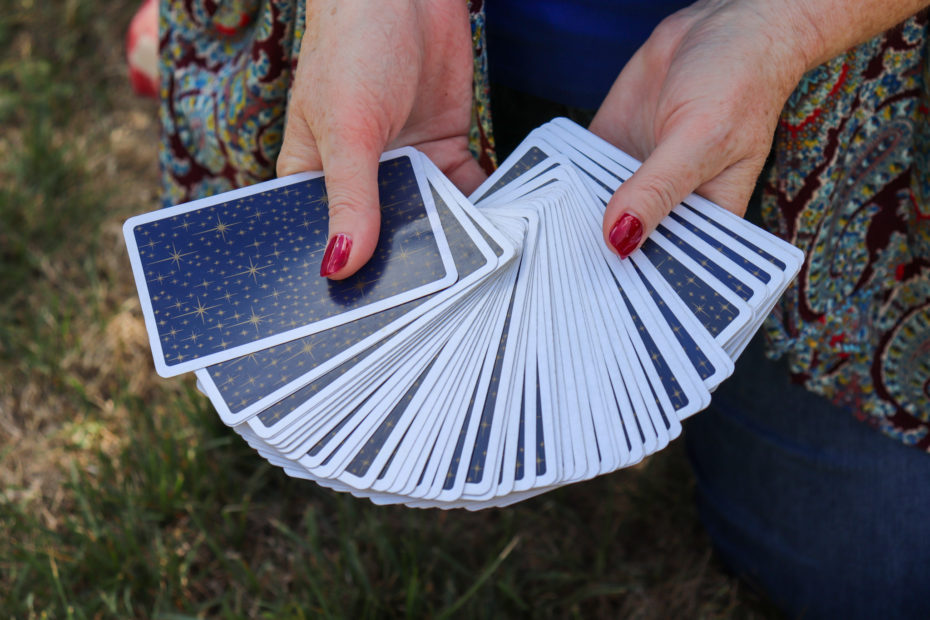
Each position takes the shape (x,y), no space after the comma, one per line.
(850,185)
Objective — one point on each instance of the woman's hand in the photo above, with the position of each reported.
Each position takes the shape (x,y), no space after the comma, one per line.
(699,103)
(374,75)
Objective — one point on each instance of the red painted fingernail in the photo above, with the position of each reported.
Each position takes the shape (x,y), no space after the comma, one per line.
(336,255)
(625,234)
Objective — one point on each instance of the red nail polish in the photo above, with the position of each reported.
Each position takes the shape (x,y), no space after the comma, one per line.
(336,255)
(625,234)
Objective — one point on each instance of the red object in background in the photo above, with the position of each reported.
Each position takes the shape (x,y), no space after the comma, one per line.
(142,50)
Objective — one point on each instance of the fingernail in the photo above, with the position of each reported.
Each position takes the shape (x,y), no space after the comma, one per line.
(625,234)
(336,255)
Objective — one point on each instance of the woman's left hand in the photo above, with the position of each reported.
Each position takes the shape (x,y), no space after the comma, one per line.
(699,103)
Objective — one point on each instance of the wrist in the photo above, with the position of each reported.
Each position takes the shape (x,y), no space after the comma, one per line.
(823,29)
(804,35)
(792,42)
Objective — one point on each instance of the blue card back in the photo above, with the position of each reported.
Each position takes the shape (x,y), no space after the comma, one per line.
(228,276)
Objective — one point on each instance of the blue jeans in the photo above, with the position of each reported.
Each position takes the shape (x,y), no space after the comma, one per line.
(827,517)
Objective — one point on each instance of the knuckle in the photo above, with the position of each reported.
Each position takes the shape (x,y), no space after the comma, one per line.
(350,208)
(353,135)
(354,127)
(660,197)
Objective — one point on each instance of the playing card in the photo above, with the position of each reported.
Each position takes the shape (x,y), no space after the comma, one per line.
(509,353)
(242,387)
(233,274)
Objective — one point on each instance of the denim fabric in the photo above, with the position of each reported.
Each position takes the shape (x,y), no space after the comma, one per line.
(823,514)
(569,51)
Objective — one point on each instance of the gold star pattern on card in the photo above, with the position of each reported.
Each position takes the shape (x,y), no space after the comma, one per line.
(540,439)
(529,159)
(752,247)
(449,481)
(666,376)
(478,455)
(328,343)
(518,473)
(322,443)
(728,279)
(709,306)
(259,256)
(288,404)
(372,447)
(698,359)
(729,252)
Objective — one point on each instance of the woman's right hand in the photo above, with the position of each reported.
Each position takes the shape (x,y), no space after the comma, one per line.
(374,75)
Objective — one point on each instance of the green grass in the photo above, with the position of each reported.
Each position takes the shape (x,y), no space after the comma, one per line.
(124,496)
(188,520)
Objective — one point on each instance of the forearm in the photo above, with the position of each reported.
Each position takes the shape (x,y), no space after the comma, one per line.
(783,40)
(829,27)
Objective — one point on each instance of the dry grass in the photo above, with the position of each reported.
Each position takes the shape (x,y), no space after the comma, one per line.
(77,162)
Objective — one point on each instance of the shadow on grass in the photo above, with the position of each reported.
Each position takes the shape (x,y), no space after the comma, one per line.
(187,519)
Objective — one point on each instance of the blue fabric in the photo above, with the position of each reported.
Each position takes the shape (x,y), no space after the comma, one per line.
(826,516)
(568,51)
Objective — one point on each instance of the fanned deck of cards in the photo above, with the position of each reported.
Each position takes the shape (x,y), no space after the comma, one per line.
(493,349)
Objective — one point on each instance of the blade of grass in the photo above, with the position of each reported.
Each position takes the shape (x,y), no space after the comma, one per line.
(313,549)
(482,578)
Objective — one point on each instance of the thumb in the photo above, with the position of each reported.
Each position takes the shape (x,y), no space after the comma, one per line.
(351,171)
(351,176)
(299,150)
(667,176)
(349,160)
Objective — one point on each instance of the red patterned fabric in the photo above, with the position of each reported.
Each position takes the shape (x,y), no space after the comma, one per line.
(226,69)
(850,187)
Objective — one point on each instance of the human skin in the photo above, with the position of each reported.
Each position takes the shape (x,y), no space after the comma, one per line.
(374,75)
(698,103)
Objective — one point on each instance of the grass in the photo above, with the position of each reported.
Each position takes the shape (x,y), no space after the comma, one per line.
(124,496)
